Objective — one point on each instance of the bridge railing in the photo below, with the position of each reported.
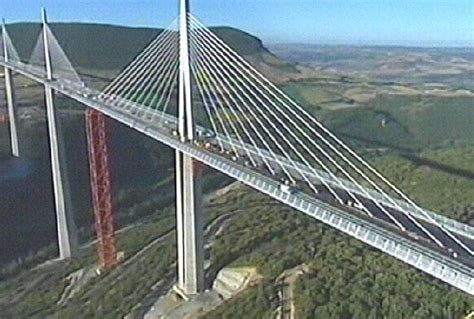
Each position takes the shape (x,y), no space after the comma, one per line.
(408,251)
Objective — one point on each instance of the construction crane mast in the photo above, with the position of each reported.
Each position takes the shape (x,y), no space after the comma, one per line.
(101,188)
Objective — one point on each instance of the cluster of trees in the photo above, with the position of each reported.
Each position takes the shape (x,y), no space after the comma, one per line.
(347,279)
(255,302)
(441,180)
(36,293)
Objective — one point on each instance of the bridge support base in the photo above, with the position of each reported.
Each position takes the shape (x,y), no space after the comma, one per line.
(67,236)
(189,223)
(10,97)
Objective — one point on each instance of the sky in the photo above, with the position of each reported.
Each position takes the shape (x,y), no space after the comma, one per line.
(383,22)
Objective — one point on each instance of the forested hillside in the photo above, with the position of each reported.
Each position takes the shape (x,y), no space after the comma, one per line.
(98,47)
(425,147)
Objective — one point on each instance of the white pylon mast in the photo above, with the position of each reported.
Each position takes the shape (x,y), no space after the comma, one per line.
(189,217)
(67,236)
(10,96)
(47,55)
(4,38)
(185,113)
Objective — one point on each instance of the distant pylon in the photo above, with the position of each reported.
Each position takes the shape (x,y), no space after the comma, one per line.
(101,188)
(56,61)
(67,235)
(8,51)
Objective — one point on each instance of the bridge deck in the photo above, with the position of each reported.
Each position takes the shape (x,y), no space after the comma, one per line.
(376,232)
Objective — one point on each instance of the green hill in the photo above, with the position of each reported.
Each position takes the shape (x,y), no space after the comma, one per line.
(346,279)
(96,46)
(92,48)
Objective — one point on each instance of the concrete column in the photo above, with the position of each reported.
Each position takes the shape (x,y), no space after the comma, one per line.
(193,226)
(67,235)
(189,219)
(180,219)
(10,97)
(190,226)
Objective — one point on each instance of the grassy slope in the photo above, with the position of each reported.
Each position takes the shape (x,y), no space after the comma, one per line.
(414,123)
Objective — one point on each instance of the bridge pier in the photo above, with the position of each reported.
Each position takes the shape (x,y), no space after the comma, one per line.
(10,97)
(189,220)
(67,235)
(12,116)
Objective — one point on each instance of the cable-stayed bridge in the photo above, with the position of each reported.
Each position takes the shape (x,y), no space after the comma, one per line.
(191,91)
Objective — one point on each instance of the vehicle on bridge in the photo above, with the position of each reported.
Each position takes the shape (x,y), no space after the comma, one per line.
(285,188)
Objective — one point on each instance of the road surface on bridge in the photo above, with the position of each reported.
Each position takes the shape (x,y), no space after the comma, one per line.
(451,264)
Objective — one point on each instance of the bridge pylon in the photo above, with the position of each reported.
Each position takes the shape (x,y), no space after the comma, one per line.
(67,235)
(10,95)
(189,214)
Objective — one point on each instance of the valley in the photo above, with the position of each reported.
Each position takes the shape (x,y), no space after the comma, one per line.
(409,112)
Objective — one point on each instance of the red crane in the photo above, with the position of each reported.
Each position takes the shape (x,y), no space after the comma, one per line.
(101,188)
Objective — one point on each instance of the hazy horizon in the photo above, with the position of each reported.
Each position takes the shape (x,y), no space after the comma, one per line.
(335,43)
(272,42)
(422,23)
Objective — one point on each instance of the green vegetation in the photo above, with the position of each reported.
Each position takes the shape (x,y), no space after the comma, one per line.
(441,180)
(255,302)
(431,120)
(350,281)
(424,145)
(99,47)
(309,95)
(412,123)
(107,295)
(347,279)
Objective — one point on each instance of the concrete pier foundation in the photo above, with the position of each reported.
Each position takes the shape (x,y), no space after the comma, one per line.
(12,116)
(190,230)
